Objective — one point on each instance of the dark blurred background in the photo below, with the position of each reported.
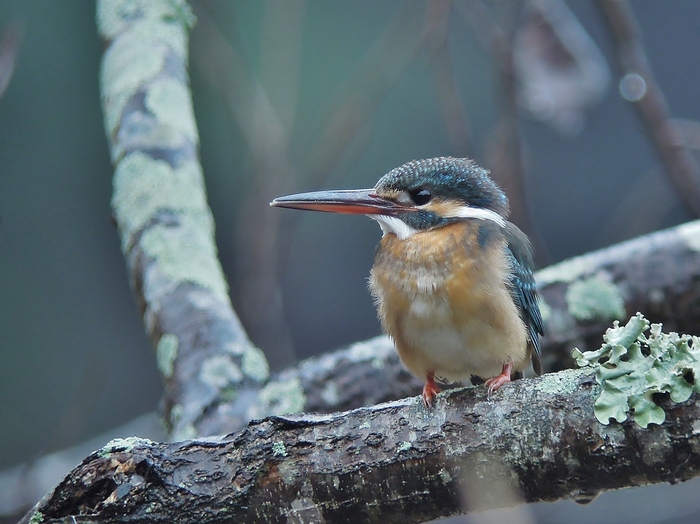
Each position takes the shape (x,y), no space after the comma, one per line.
(291,96)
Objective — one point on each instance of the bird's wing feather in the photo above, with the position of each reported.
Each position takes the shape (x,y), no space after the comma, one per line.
(523,288)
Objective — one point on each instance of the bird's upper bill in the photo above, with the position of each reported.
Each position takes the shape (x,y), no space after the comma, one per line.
(348,201)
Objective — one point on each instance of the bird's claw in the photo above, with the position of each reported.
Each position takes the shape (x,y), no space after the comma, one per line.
(496,382)
(430,391)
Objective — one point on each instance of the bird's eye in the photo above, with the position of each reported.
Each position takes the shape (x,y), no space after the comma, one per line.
(420,196)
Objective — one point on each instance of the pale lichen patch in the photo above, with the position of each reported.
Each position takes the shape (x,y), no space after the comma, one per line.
(235,348)
(219,371)
(143,186)
(279,398)
(117,16)
(404,446)
(176,413)
(254,364)
(185,254)
(36,518)
(565,272)
(595,298)
(561,383)
(329,394)
(125,69)
(279,449)
(171,104)
(123,444)
(166,353)
(445,476)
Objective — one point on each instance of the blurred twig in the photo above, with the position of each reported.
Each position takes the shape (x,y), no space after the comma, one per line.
(505,154)
(680,166)
(357,100)
(9,49)
(263,107)
(447,90)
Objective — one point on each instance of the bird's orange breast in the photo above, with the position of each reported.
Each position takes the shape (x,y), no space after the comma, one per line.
(442,295)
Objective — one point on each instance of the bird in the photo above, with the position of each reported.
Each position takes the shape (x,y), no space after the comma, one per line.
(452,278)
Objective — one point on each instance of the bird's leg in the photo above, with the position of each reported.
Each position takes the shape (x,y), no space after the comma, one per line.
(496,382)
(430,389)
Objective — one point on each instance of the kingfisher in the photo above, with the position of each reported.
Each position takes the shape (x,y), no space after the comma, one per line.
(452,278)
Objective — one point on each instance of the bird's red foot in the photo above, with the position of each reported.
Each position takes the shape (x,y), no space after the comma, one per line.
(430,390)
(496,382)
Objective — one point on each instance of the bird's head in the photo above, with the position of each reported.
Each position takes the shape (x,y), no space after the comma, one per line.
(417,196)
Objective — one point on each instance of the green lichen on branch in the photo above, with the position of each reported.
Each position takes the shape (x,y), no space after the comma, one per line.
(632,366)
(595,298)
(166,354)
(37,518)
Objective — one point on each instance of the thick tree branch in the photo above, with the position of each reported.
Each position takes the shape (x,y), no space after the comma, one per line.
(396,462)
(656,274)
(165,225)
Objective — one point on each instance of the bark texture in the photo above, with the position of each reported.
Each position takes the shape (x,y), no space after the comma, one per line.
(535,439)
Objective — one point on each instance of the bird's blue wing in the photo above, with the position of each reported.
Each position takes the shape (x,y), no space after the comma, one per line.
(523,288)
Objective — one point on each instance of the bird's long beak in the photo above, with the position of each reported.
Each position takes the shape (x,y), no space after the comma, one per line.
(348,201)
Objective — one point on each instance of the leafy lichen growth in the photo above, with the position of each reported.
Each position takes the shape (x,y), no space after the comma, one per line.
(37,518)
(404,446)
(632,366)
(279,449)
(595,299)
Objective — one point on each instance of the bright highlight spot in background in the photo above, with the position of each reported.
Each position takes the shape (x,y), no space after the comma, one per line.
(633,87)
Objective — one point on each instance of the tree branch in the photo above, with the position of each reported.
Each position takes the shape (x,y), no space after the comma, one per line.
(656,274)
(396,462)
(165,225)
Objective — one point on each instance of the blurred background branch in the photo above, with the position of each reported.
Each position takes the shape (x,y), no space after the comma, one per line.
(9,49)
(639,86)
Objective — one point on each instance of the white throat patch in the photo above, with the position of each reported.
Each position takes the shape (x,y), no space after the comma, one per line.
(394,225)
